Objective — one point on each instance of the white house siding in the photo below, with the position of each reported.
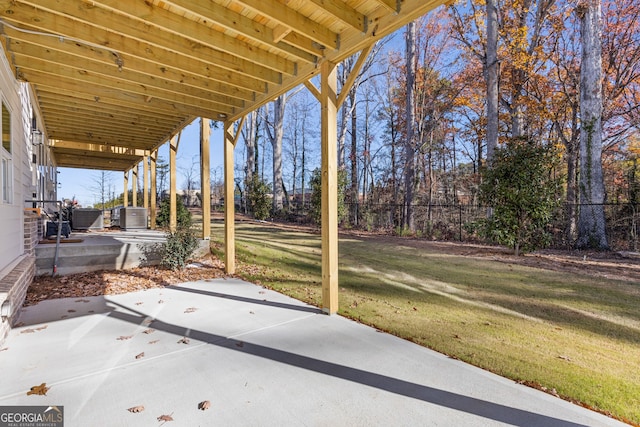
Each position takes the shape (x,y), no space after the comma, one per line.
(17,235)
(11,214)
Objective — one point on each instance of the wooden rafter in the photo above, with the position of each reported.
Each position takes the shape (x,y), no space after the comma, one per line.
(133,73)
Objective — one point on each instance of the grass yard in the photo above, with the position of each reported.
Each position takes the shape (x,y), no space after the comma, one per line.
(554,324)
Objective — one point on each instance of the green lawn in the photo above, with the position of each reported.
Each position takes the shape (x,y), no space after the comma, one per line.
(575,334)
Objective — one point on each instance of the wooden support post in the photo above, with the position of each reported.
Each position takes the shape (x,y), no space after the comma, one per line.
(329,201)
(125,195)
(229,200)
(154,190)
(134,186)
(145,182)
(173,218)
(205,178)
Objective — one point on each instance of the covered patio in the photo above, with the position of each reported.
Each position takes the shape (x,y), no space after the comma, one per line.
(115,80)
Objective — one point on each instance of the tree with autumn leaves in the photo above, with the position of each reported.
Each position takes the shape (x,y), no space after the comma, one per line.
(469,78)
(549,84)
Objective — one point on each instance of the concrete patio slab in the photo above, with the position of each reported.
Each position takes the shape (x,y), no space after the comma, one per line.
(100,250)
(259,357)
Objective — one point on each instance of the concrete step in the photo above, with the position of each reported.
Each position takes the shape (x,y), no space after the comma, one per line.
(101,251)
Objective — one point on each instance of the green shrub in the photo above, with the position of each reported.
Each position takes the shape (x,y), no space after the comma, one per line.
(316,196)
(183,216)
(523,193)
(258,200)
(179,247)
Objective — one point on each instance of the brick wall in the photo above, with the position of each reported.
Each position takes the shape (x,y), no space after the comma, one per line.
(13,286)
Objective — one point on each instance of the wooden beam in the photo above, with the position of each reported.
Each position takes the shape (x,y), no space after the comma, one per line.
(91,24)
(353,75)
(173,149)
(280,32)
(104,92)
(381,24)
(313,89)
(42,59)
(112,149)
(329,197)
(390,5)
(236,22)
(229,201)
(290,18)
(166,24)
(344,12)
(134,186)
(205,178)
(145,182)
(125,196)
(154,189)
(35,70)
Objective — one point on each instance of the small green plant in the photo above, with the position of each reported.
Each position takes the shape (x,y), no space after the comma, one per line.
(258,199)
(179,247)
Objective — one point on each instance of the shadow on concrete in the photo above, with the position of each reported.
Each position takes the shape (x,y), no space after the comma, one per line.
(248,300)
(478,407)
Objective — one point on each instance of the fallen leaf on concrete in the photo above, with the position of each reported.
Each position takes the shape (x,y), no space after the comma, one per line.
(32,330)
(251,312)
(153,342)
(124,337)
(20,324)
(82,300)
(140,356)
(190,310)
(136,409)
(184,340)
(40,390)
(139,303)
(204,405)
(71,311)
(4,349)
(148,331)
(160,301)
(165,418)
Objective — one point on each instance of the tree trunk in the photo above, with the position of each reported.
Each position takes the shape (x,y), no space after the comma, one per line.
(276,142)
(409,152)
(353,157)
(250,139)
(591,222)
(491,78)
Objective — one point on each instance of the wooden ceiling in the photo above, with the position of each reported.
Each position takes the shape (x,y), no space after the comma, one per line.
(117,78)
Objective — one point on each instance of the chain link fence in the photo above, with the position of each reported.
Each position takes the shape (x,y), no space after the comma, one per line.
(455,222)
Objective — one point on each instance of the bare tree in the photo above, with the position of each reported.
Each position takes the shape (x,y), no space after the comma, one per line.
(491,73)
(591,222)
(101,186)
(275,132)
(409,144)
(190,173)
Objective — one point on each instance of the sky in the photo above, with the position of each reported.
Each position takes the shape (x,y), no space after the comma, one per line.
(82,184)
